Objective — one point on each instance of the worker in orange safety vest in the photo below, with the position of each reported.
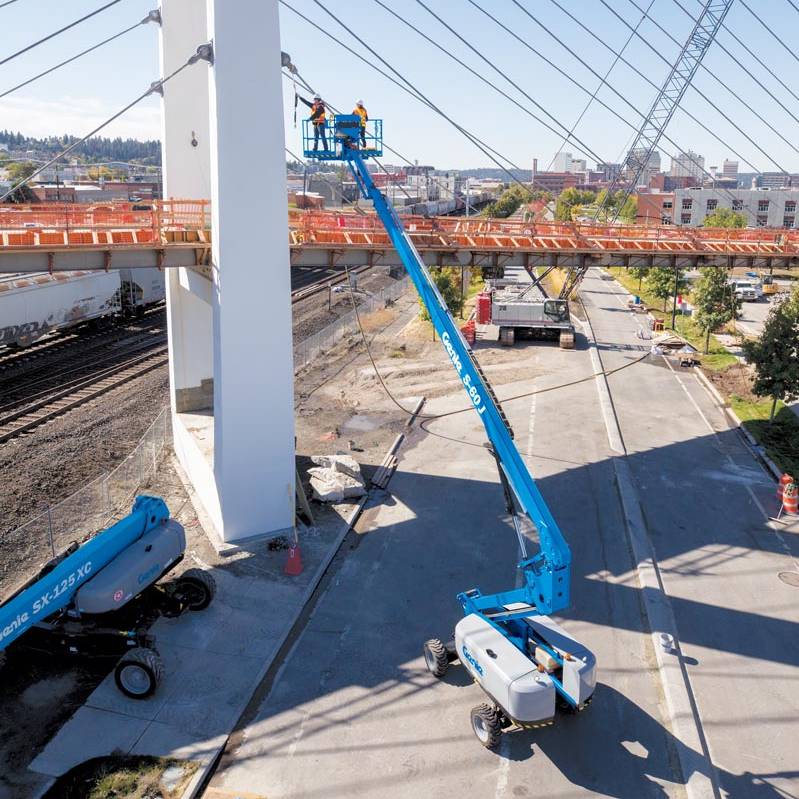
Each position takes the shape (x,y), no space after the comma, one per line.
(318,119)
(361,112)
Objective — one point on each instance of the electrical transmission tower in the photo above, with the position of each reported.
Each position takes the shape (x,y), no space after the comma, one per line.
(667,100)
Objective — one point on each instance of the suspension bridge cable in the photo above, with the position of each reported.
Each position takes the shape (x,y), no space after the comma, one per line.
(745,46)
(484,148)
(7,3)
(412,92)
(796,7)
(151,17)
(627,101)
(59,31)
(768,28)
(485,80)
(634,32)
(599,85)
(751,75)
(204,53)
(573,80)
(393,80)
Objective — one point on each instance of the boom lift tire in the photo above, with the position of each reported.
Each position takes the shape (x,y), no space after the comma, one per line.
(487,725)
(199,588)
(435,657)
(139,673)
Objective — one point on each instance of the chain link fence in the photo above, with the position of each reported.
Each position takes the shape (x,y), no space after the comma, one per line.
(310,348)
(26,549)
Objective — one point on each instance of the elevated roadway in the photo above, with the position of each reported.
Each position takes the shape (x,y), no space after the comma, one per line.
(174,233)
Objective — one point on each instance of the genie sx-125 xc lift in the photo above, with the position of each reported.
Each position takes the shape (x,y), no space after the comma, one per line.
(524,661)
(95,600)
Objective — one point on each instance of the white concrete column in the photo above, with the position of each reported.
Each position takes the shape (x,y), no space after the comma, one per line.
(186,173)
(253,370)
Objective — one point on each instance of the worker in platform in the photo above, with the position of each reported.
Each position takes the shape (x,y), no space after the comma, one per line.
(361,112)
(318,118)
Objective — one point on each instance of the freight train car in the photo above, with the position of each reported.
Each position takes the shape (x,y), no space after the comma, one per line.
(37,305)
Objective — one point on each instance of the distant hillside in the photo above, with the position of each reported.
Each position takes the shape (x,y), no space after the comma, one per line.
(98,148)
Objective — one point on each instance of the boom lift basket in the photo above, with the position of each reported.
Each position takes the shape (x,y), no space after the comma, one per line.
(340,129)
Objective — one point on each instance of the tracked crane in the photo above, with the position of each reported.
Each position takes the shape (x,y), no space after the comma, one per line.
(523,660)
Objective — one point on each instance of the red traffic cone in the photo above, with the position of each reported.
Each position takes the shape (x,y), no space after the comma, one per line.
(293,565)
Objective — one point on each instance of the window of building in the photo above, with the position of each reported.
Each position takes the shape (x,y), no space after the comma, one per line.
(685,219)
(762,205)
(666,219)
(712,205)
(667,205)
(687,204)
(762,220)
(737,205)
(790,206)
(789,220)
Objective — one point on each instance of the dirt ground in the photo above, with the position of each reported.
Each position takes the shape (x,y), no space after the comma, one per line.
(735,379)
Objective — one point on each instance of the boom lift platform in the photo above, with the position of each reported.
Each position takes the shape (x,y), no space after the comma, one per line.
(95,599)
(525,662)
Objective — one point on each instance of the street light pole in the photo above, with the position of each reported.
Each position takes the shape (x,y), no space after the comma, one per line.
(674,305)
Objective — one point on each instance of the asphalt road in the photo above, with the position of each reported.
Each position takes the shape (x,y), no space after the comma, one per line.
(353,711)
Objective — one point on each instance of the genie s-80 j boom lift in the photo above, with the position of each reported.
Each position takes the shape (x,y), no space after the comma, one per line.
(525,662)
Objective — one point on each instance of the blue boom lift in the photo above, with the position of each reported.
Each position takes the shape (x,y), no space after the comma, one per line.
(525,662)
(96,599)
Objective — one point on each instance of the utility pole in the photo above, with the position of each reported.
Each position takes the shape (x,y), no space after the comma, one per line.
(674,304)
(467,195)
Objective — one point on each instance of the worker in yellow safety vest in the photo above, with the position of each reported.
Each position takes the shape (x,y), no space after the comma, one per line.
(361,112)
(318,112)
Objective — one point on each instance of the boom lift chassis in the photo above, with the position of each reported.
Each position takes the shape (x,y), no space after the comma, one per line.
(524,661)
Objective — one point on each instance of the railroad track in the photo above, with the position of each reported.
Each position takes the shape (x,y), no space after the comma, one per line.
(11,360)
(47,405)
(324,284)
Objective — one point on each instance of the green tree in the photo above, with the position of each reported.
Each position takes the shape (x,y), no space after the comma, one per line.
(714,299)
(448,283)
(18,171)
(775,355)
(661,280)
(724,217)
(640,272)
(508,202)
(569,200)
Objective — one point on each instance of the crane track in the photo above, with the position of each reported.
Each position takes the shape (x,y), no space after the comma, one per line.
(83,390)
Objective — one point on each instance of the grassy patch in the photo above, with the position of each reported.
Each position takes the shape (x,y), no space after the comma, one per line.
(780,438)
(123,777)
(686,326)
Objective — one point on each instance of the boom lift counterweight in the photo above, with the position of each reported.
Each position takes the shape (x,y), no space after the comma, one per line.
(521,658)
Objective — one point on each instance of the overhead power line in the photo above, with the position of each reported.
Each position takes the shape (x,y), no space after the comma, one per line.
(59,31)
(153,16)
(205,52)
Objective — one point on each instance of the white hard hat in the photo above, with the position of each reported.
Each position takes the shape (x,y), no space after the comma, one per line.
(317,97)
(360,102)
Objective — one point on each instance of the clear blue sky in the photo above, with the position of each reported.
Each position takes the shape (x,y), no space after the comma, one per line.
(81,94)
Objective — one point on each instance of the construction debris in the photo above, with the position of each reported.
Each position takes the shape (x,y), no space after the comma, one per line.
(336,477)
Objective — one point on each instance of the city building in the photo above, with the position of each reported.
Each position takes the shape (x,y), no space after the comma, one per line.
(609,171)
(651,165)
(578,165)
(664,182)
(562,162)
(762,207)
(555,182)
(777,180)
(655,208)
(688,164)
(729,170)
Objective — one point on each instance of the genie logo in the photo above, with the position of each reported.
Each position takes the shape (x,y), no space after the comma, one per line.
(453,355)
(467,655)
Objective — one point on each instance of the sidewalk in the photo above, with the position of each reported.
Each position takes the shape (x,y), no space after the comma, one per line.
(214,659)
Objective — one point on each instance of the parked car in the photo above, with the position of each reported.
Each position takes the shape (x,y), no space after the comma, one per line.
(746,290)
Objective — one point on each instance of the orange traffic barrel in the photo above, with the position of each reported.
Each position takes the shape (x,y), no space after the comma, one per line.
(790,499)
(784,480)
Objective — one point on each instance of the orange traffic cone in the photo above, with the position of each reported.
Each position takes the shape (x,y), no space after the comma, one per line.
(293,565)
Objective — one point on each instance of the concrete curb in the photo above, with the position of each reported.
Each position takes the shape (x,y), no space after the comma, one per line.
(759,451)
(698,772)
(191,791)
